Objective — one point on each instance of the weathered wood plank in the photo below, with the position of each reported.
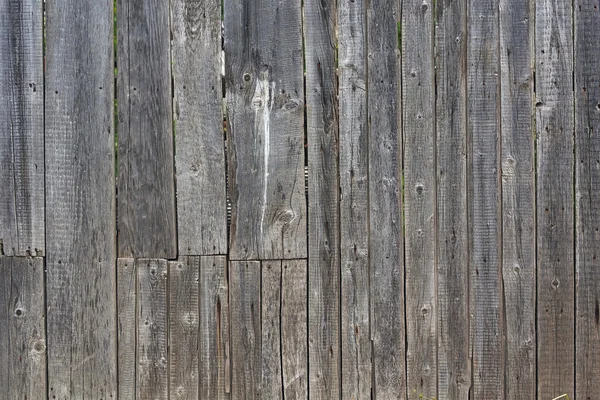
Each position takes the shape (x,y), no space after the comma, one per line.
(265,98)
(21,129)
(555,201)
(126,325)
(323,198)
(518,197)
(152,358)
(454,360)
(354,224)
(146,197)
(80,199)
(199,148)
(22,328)
(245,303)
(271,310)
(418,132)
(483,130)
(587,192)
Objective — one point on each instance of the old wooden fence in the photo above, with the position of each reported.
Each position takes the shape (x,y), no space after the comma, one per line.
(375,199)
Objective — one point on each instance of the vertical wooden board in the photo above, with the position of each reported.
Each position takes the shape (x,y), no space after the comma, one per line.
(354,224)
(80,199)
(146,200)
(245,322)
(214,329)
(483,129)
(555,201)
(587,151)
(184,333)
(21,128)
(294,330)
(199,147)
(265,100)
(454,363)
(127,326)
(271,310)
(418,133)
(22,328)
(518,197)
(152,358)
(323,198)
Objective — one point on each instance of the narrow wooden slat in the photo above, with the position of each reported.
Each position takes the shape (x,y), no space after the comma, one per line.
(483,128)
(146,196)
(323,199)
(80,200)
(245,303)
(271,310)
(127,326)
(518,197)
(354,224)
(555,201)
(21,129)
(265,99)
(454,363)
(587,192)
(22,328)
(199,149)
(152,359)
(418,133)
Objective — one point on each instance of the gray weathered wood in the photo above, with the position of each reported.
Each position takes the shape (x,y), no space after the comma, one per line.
(454,363)
(80,200)
(265,99)
(323,199)
(126,325)
(245,314)
(518,197)
(22,328)
(146,196)
(21,128)
(152,358)
(199,148)
(483,130)
(354,224)
(587,192)
(418,133)
(271,333)
(555,201)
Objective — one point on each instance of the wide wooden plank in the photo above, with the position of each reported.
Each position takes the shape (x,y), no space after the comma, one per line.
(21,128)
(322,127)
(199,147)
(354,192)
(483,130)
(80,200)
(555,201)
(126,325)
(587,192)
(245,313)
(271,332)
(22,328)
(418,133)
(146,196)
(454,360)
(265,135)
(518,197)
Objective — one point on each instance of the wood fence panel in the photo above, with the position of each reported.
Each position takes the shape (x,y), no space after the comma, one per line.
(126,325)
(271,333)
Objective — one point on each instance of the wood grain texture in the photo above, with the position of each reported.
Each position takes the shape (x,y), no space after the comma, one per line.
(555,201)
(127,327)
(454,351)
(322,127)
(354,207)
(483,129)
(146,189)
(199,148)
(587,195)
(271,331)
(518,197)
(21,129)
(265,100)
(245,314)
(80,200)
(22,328)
